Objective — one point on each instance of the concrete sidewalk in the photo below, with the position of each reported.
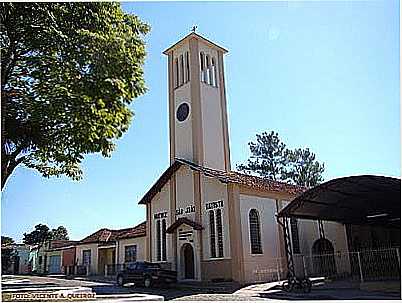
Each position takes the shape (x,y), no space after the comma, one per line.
(322,290)
(15,288)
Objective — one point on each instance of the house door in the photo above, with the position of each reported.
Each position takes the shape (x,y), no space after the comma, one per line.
(188,254)
(54,264)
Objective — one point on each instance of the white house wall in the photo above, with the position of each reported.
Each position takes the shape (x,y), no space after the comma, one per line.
(266,261)
(141,248)
(161,204)
(308,234)
(214,190)
(334,232)
(94,256)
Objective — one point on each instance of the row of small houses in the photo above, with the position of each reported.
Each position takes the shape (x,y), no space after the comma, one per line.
(97,254)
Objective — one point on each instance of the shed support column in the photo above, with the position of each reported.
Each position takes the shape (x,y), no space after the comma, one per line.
(288,246)
(321,229)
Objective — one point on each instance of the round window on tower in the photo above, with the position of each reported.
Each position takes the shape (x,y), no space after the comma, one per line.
(182,112)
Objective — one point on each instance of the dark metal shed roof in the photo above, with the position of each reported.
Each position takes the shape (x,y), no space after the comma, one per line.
(365,199)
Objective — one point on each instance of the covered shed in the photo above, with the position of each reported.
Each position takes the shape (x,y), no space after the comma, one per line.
(361,200)
(370,208)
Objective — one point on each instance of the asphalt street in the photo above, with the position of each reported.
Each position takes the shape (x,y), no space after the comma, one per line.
(250,293)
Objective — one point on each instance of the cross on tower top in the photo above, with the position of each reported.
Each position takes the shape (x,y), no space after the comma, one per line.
(194,28)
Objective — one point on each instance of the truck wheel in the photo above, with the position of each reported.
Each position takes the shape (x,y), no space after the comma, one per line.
(120,280)
(147,282)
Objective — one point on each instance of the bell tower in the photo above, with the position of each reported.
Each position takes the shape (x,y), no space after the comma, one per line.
(198,120)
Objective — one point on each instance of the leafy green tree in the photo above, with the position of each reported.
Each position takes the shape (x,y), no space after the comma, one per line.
(59,233)
(303,168)
(38,236)
(272,160)
(6,241)
(69,71)
(8,254)
(267,156)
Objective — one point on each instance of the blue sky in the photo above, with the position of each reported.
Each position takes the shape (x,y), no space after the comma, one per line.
(325,75)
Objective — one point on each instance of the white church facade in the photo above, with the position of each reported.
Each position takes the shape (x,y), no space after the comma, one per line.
(204,220)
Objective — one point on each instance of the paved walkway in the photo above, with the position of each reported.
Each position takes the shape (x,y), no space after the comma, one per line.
(339,290)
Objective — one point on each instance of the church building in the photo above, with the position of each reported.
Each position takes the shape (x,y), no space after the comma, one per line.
(204,220)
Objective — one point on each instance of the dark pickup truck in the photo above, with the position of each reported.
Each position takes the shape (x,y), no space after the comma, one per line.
(146,273)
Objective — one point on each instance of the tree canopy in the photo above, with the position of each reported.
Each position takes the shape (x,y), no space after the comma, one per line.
(42,234)
(271,159)
(38,236)
(69,71)
(6,241)
(59,233)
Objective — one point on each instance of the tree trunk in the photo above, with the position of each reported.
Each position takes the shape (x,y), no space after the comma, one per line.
(8,164)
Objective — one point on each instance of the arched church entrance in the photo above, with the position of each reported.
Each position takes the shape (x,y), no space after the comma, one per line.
(188,261)
(323,257)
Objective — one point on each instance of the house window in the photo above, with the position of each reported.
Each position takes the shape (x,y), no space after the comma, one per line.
(212,233)
(295,235)
(86,257)
(130,253)
(255,232)
(219,230)
(161,240)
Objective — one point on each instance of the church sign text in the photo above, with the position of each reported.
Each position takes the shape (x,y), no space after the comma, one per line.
(214,204)
(160,215)
(189,209)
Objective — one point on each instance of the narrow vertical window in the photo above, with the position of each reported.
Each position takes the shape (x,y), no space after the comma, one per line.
(207,70)
(181,70)
(255,232)
(212,72)
(187,67)
(158,240)
(212,234)
(295,235)
(219,230)
(202,66)
(164,240)
(176,71)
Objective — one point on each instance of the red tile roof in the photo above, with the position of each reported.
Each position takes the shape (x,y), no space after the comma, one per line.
(250,181)
(138,231)
(108,235)
(61,243)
